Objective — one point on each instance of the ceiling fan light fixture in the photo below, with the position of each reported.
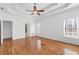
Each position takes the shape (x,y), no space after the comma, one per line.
(35,12)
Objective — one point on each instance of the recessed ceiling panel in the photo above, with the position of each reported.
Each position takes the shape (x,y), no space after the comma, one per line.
(20,8)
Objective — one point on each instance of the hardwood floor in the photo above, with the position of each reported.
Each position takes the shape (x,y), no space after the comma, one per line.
(37,46)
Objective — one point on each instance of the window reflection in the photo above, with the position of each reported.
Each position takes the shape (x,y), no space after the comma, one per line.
(70,52)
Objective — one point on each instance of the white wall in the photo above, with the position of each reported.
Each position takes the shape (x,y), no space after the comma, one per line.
(52,25)
(19,24)
(7,29)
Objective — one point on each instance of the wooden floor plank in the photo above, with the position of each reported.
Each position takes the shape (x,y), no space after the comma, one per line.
(31,46)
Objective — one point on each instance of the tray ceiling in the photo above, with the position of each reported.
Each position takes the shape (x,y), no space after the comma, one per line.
(20,8)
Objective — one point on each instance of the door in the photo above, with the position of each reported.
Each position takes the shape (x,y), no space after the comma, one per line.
(7,31)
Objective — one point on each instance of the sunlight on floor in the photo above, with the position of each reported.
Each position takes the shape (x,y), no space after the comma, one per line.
(69,52)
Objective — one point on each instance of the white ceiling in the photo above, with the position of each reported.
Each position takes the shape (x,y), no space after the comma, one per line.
(20,8)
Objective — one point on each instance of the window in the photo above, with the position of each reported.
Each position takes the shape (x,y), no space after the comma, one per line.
(71,28)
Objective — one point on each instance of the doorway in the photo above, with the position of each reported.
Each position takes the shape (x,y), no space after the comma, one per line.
(27,30)
(7,31)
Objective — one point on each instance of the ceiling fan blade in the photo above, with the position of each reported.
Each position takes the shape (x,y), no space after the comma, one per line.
(34,7)
(29,10)
(32,14)
(38,13)
(40,10)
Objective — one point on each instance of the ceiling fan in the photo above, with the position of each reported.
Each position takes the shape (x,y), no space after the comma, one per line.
(35,10)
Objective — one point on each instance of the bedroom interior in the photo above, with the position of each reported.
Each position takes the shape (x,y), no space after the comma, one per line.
(39,29)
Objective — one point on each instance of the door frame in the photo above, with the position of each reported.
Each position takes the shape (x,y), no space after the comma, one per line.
(2,30)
